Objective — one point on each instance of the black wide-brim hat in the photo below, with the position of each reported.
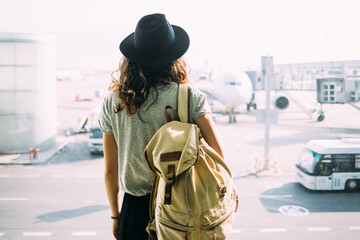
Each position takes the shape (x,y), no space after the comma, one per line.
(155,41)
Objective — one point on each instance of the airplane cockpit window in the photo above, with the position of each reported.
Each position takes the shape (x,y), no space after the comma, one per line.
(233,83)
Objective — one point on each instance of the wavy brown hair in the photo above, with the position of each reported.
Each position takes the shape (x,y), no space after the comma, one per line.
(132,82)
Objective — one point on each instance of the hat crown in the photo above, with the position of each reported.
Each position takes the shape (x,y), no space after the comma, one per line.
(153,32)
(155,41)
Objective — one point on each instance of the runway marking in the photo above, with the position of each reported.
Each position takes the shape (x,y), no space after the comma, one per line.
(29,176)
(83,234)
(354,227)
(13,199)
(276,196)
(318,229)
(1,234)
(295,211)
(37,234)
(273,230)
(4,176)
(235,231)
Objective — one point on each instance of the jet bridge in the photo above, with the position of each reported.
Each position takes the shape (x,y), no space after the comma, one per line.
(338,91)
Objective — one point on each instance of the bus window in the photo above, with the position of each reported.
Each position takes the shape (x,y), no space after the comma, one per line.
(344,162)
(308,160)
(324,168)
(357,162)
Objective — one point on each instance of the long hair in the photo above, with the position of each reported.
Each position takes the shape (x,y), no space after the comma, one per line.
(132,82)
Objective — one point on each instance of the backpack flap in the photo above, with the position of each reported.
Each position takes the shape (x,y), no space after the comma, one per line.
(173,149)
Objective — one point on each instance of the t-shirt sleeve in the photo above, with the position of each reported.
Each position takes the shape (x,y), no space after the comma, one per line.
(198,104)
(104,116)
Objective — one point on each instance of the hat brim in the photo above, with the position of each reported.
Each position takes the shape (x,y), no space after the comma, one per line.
(160,56)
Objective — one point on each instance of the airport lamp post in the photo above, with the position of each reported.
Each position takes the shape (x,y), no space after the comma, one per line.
(267,74)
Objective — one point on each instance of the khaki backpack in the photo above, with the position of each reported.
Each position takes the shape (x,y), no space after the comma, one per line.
(193,196)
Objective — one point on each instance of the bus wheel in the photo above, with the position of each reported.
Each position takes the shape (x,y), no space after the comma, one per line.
(352,185)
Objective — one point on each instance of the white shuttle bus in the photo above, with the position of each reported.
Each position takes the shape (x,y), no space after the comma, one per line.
(330,164)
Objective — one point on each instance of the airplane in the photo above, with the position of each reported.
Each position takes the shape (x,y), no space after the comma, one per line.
(232,89)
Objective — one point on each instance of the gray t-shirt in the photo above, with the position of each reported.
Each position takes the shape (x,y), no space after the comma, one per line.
(132,135)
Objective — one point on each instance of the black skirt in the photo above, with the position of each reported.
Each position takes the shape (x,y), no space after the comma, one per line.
(134,218)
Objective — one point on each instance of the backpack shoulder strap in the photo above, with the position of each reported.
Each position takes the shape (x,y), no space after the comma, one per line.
(183,107)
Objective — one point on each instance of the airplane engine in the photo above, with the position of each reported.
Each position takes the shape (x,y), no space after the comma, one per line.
(281,102)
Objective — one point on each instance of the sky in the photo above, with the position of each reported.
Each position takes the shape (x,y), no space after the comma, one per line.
(227,33)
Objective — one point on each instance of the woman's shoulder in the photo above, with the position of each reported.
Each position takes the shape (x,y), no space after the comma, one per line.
(196,92)
(110,100)
(110,96)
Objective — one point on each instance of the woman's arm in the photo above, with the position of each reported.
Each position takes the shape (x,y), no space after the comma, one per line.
(111,176)
(209,133)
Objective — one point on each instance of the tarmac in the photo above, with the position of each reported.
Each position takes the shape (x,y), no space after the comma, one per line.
(28,159)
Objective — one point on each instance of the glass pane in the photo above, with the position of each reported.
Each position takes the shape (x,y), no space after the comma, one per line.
(324,169)
(25,78)
(96,133)
(7,103)
(26,102)
(25,54)
(7,78)
(7,56)
(308,160)
(344,162)
(357,163)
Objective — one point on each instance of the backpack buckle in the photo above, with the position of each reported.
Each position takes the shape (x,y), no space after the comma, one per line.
(222,190)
